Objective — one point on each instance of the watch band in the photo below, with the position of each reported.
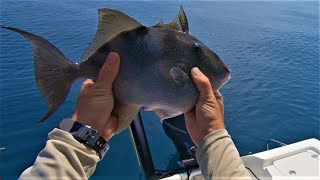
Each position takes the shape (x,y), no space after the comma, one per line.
(85,134)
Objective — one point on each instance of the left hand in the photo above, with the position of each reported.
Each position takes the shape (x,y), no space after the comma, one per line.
(95,102)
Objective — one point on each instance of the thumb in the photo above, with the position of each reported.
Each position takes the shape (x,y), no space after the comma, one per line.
(203,85)
(109,71)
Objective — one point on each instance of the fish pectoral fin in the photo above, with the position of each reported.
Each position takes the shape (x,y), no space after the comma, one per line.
(111,23)
(178,75)
(125,114)
(180,23)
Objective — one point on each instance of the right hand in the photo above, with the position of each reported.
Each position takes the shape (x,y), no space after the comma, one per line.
(96,102)
(208,114)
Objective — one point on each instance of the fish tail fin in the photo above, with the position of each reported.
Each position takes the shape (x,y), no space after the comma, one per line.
(54,72)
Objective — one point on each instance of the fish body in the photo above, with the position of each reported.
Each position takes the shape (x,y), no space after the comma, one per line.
(154,71)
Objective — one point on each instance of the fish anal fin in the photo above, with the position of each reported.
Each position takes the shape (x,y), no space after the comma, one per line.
(111,23)
(125,114)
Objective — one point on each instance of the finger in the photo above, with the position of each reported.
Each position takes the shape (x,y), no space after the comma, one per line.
(218,96)
(109,71)
(203,84)
(87,83)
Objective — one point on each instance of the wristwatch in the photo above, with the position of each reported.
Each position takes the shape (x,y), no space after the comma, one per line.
(86,135)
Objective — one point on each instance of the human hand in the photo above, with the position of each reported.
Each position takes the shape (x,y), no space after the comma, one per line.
(208,114)
(95,102)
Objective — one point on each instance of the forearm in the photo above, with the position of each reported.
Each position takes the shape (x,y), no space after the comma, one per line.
(219,159)
(62,158)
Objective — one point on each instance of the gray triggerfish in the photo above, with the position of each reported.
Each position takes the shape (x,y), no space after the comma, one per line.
(155,66)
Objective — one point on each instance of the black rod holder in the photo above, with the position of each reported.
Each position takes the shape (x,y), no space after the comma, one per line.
(141,144)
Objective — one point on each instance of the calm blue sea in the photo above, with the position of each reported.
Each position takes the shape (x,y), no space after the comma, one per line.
(272,49)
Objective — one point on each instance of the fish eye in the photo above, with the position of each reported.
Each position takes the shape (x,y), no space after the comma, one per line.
(196,46)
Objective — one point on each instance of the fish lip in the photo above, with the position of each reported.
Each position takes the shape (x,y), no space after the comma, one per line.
(226,74)
(228,71)
(223,82)
(226,79)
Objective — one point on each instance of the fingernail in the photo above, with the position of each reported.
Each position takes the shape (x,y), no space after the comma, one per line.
(196,71)
(112,58)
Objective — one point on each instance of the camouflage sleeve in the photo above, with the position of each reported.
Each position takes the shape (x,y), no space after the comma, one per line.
(219,159)
(62,158)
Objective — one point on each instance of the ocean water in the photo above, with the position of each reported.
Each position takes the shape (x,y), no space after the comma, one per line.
(271,47)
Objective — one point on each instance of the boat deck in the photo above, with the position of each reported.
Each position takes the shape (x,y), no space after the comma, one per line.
(300,160)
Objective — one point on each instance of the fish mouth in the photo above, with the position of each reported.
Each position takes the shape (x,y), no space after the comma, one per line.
(226,79)
(227,76)
(228,71)
(223,82)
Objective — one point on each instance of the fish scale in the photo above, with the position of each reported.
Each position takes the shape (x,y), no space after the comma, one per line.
(154,70)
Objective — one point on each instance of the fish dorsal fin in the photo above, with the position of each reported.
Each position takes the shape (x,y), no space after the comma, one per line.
(111,23)
(183,20)
(180,23)
(160,23)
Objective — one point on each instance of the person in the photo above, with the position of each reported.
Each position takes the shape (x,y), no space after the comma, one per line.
(66,158)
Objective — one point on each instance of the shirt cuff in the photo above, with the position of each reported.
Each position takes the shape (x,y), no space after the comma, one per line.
(210,139)
(64,136)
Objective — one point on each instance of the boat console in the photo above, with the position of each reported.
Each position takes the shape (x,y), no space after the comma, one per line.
(299,160)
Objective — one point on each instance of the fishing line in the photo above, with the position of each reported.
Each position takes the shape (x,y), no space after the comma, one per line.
(175,128)
(165,173)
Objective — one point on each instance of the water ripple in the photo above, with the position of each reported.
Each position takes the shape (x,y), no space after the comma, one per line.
(272,49)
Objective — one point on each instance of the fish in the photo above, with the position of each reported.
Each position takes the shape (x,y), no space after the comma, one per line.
(155,68)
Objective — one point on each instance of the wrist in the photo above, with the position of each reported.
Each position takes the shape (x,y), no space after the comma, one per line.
(86,121)
(217,127)
(85,135)
(81,119)
(94,124)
